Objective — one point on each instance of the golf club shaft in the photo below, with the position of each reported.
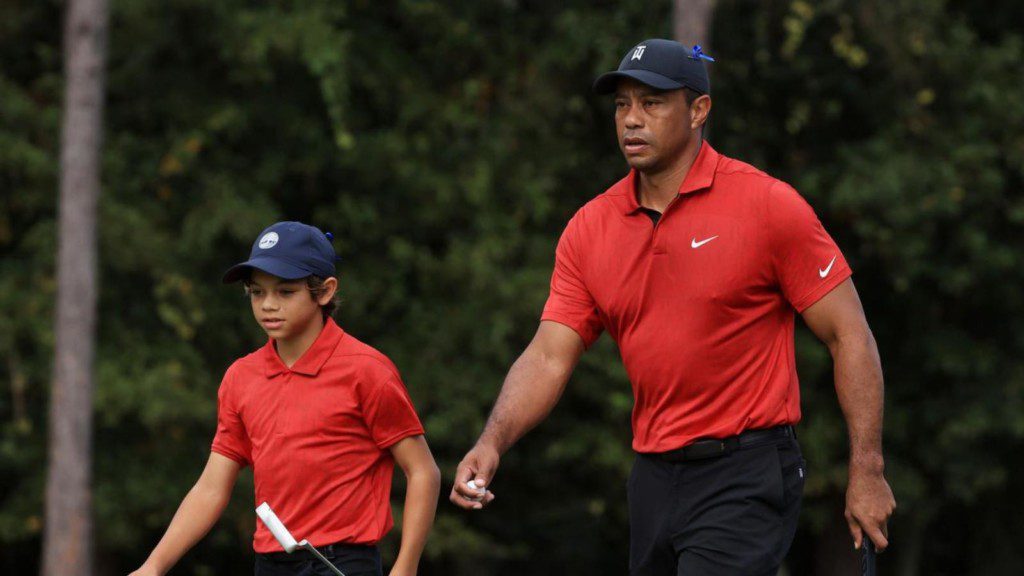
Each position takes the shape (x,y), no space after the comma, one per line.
(867,563)
(317,553)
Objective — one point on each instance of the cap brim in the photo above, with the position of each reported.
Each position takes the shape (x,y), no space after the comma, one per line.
(606,83)
(273,266)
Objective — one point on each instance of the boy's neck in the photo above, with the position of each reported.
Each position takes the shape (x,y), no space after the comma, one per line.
(291,349)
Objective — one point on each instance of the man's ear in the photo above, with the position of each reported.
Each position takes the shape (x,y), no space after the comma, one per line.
(699,111)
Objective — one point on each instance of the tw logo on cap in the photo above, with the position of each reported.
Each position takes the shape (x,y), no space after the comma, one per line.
(269,240)
(638,53)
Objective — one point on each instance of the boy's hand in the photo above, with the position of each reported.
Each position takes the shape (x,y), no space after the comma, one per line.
(479,466)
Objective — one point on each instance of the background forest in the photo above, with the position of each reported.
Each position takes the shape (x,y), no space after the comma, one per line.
(446,144)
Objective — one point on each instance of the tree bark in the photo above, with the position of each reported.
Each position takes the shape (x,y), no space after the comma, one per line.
(67,543)
(691,22)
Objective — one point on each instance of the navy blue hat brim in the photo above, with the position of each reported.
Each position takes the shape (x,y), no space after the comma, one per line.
(609,81)
(273,266)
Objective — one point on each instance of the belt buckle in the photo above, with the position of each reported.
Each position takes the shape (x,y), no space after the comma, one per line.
(716,448)
(707,448)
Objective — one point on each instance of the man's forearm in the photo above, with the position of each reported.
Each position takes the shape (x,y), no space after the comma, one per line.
(198,512)
(858,380)
(532,388)
(420,506)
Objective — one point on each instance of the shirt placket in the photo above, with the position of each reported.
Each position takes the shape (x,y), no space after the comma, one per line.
(658,241)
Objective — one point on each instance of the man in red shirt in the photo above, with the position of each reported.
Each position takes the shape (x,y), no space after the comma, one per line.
(695,264)
(320,416)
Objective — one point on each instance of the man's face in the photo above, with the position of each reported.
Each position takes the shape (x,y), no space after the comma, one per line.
(653,126)
(284,308)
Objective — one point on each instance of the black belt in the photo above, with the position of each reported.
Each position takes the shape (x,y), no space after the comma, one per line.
(715,447)
(301,554)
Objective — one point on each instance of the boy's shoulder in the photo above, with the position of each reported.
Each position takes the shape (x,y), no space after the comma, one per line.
(365,360)
(350,358)
(253,359)
(241,366)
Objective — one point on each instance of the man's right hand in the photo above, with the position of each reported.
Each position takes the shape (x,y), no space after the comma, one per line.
(531,389)
(479,465)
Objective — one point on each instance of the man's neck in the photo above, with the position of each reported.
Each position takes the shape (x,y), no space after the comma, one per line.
(291,349)
(656,190)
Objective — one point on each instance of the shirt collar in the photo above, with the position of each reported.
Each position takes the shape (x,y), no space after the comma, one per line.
(700,177)
(312,360)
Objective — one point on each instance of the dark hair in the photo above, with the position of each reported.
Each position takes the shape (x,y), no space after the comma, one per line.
(315,285)
(690,95)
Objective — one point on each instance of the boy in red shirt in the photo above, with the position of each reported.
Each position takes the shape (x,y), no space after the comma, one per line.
(321,418)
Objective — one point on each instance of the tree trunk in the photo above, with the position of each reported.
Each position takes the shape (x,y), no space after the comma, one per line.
(67,544)
(691,22)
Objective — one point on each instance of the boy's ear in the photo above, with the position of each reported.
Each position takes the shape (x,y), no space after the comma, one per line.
(330,287)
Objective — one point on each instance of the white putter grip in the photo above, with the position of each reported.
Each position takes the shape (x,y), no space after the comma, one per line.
(277,528)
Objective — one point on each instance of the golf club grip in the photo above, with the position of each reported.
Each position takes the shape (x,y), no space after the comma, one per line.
(867,562)
(276,527)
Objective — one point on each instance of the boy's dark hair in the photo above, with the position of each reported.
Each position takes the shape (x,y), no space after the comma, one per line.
(315,285)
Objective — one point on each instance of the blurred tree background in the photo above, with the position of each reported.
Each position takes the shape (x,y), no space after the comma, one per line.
(446,144)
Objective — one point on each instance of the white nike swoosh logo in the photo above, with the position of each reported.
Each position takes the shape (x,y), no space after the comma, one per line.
(695,244)
(824,271)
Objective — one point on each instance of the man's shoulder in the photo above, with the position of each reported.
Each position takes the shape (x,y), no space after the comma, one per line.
(615,193)
(604,205)
(749,190)
(733,173)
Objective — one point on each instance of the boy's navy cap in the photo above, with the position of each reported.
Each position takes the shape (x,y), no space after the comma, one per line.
(289,250)
(661,64)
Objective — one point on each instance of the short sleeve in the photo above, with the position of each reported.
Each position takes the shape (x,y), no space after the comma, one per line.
(388,411)
(231,439)
(806,260)
(569,301)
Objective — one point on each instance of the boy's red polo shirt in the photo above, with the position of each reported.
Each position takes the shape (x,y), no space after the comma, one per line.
(701,304)
(317,436)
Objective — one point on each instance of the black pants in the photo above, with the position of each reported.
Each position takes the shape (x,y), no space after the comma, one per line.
(353,560)
(734,515)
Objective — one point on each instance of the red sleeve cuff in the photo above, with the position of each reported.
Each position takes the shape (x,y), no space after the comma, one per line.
(396,438)
(227,453)
(822,289)
(588,334)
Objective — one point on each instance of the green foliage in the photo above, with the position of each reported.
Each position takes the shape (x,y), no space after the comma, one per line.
(446,145)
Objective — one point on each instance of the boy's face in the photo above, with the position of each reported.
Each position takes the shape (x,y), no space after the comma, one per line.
(286,308)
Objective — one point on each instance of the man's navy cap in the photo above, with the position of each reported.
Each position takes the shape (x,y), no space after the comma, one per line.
(289,250)
(661,64)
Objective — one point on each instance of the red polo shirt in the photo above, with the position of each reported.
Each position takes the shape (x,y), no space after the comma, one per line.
(702,303)
(317,437)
